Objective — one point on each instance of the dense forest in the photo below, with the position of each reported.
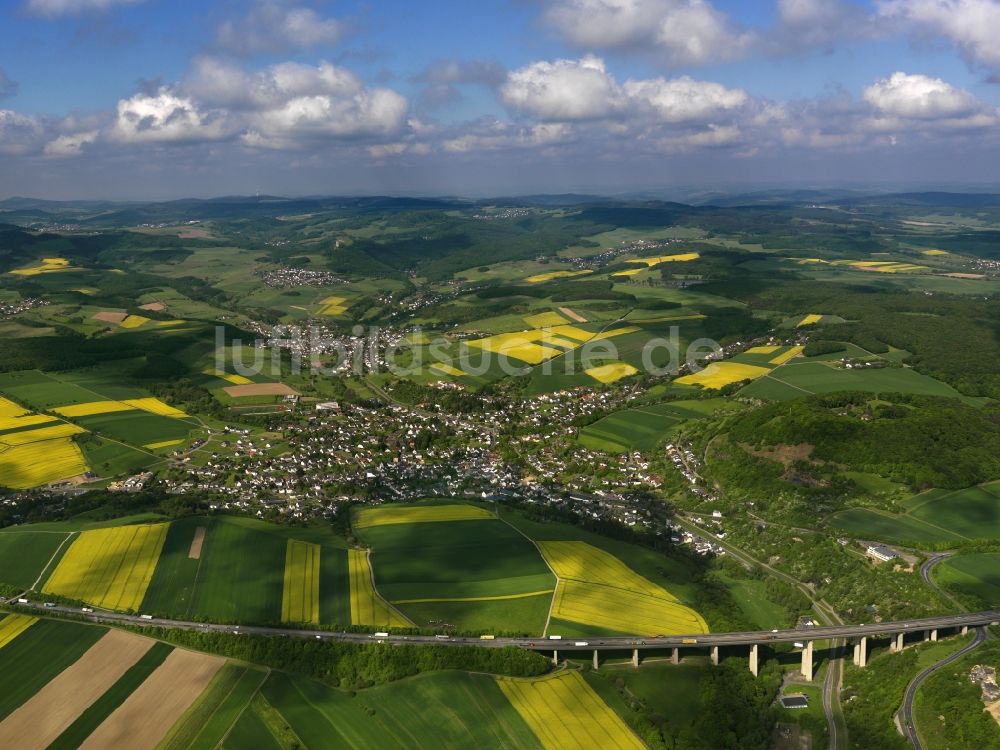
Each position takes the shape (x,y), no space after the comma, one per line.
(921,441)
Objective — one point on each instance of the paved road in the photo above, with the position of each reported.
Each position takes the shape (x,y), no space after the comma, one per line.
(746,638)
(925,572)
(831,698)
(906,712)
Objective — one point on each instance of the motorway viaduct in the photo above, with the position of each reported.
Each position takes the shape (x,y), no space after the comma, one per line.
(923,629)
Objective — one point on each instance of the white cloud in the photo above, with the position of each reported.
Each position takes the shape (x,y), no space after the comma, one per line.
(972,25)
(920,97)
(19,134)
(563,90)
(71,144)
(281,105)
(684,99)
(493,135)
(678,32)
(56,8)
(275,27)
(165,117)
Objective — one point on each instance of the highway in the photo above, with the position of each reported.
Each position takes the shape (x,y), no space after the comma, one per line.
(906,712)
(600,643)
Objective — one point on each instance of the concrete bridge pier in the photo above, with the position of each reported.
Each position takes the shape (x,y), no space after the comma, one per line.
(635,658)
(595,659)
(754,669)
(861,652)
(932,634)
(675,657)
(807,661)
(555,658)
(898,643)
(965,630)
(713,655)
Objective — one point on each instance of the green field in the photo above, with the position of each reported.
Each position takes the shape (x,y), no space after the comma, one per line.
(138,427)
(800,378)
(24,554)
(974,574)
(461,560)
(442,709)
(973,512)
(895,529)
(933,516)
(240,573)
(643,427)
(204,725)
(36,656)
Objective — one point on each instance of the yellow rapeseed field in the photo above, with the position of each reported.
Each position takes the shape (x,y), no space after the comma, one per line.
(110,568)
(134,321)
(393,514)
(564,713)
(9,409)
(611,372)
(48,265)
(27,420)
(13,625)
(545,320)
(63,429)
(154,406)
(35,464)
(333,306)
(300,593)
(934,251)
(721,374)
(447,369)
(762,349)
(629,272)
(367,607)
(596,588)
(537,278)
(785,356)
(162,444)
(809,319)
(234,379)
(92,408)
(680,257)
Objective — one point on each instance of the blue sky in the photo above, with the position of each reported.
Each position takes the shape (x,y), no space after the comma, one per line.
(150,98)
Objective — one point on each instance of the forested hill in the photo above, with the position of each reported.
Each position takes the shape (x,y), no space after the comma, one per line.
(921,441)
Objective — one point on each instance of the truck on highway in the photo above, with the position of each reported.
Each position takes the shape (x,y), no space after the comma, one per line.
(581,643)
(689,640)
(145,617)
(555,637)
(487,637)
(22,600)
(86,609)
(380,635)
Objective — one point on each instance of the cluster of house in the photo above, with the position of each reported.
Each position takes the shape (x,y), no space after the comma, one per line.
(21,305)
(504,213)
(281,278)
(134,483)
(687,464)
(636,247)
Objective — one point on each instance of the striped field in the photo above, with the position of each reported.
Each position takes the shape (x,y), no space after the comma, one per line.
(12,626)
(386,515)
(566,714)
(35,464)
(367,607)
(92,408)
(110,568)
(596,588)
(786,355)
(300,593)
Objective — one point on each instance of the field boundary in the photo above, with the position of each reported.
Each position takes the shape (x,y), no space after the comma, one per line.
(552,603)
(69,534)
